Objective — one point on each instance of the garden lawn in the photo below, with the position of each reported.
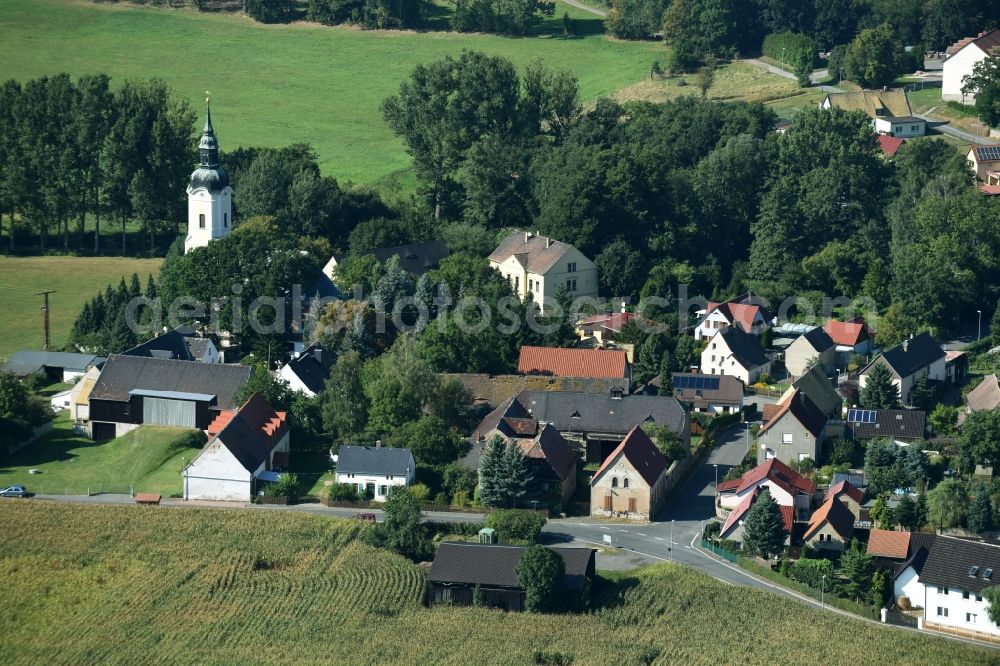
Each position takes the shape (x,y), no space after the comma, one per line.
(75,279)
(127,584)
(148,459)
(273,85)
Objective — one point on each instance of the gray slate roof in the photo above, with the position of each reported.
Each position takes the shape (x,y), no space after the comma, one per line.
(123,374)
(950,561)
(27,362)
(745,347)
(171,344)
(374,461)
(911,355)
(312,366)
(819,339)
(496,565)
(820,391)
(895,423)
(590,412)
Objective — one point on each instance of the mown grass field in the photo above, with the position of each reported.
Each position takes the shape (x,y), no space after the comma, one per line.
(273,85)
(148,459)
(125,585)
(75,279)
(736,81)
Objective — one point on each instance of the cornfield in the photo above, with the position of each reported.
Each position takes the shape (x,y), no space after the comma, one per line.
(126,585)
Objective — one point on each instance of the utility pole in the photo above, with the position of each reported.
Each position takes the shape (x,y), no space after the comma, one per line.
(45,309)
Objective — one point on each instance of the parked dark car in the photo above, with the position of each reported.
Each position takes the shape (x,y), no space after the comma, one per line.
(367,517)
(14,491)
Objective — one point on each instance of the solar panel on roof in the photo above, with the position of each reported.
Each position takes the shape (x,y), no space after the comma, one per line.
(989,152)
(862,415)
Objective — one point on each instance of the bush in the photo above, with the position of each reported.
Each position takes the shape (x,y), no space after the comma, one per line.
(796,48)
(420,492)
(343,492)
(285,486)
(811,572)
(514,525)
(193,440)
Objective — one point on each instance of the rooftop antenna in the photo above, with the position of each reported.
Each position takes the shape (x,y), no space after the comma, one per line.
(45,309)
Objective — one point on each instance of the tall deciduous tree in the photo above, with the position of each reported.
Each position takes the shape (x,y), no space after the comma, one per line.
(345,406)
(875,58)
(947,503)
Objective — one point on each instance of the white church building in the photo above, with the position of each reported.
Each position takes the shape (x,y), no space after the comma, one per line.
(210,198)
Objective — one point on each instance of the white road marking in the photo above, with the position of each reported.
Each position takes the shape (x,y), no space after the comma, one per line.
(659,538)
(640,534)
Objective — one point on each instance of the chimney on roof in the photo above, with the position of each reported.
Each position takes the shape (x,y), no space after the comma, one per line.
(906,346)
(623,307)
(378,443)
(527,236)
(548,242)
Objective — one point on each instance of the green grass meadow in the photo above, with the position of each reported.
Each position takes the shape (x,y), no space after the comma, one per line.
(75,279)
(132,584)
(272,85)
(148,459)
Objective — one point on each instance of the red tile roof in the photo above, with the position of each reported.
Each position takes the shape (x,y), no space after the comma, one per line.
(594,363)
(836,514)
(769,411)
(847,333)
(891,544)
(641,453)
(550,446)
(521,427)
(845,488)
(985,156)
(787,513)
(889,144)
(987,40)
(990,190)
(780,474)
(732,484)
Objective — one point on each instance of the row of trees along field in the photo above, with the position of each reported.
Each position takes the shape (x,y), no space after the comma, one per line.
(69,149)
(723,27)
(512,17)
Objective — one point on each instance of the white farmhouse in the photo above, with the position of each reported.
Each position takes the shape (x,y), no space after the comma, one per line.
(962,57)
(946,577)
(889,110)
(540,266)
(308,370)
(916,357)
(244,445)
(375,470)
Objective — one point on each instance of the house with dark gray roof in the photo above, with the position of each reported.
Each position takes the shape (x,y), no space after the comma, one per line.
(244,445)
(136,390)
(308,370)
(53,366)
(539,266)
(375,470)
(179,344)
(462,571)
(820,390)
(913,358)
(732,352)
(946,576)
(814,347)
(901,425)
(592,423)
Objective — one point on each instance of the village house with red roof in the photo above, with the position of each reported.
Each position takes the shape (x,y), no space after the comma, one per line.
(746,312)
(849,337)
(575,362)
(830,527)
(787,487)
(732,530)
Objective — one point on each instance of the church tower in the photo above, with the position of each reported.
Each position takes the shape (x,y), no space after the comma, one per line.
(210,198)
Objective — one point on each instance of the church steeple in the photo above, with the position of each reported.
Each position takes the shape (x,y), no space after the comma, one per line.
(209,145)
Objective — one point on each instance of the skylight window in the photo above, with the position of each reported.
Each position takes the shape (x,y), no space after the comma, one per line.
(973,570)
(988,574)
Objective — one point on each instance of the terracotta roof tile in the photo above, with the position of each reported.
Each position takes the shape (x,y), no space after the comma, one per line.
(847,333)
(595,363)
(845,488)
(891,544)
(889,144)
(732,520)
(732,484)
(612,322)
(779,473)
(836,514)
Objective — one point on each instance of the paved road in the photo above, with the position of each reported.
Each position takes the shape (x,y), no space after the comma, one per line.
(587,8)
(817,75)
(935,125)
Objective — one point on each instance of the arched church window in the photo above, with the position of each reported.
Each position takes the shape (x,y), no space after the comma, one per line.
(614,482)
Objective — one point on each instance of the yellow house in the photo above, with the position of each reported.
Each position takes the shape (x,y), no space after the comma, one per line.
(539,266)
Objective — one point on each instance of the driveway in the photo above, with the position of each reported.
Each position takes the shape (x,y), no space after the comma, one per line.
(587,8)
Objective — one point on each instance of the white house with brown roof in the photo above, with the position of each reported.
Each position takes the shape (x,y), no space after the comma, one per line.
(889,110)
(849,337)
(963,56)
(632,481)
(539,266)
